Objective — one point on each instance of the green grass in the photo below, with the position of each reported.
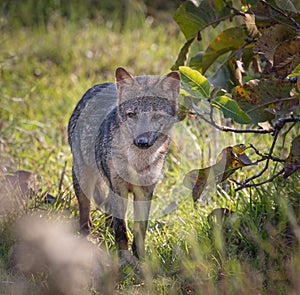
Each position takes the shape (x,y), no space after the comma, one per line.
(44,72)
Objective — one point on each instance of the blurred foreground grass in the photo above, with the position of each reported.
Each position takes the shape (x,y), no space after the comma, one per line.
(44,72)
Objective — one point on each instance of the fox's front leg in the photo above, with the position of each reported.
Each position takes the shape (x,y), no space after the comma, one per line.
(121,237)
(142,204)
(118,207)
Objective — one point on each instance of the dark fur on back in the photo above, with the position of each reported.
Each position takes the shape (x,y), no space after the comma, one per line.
(96,89)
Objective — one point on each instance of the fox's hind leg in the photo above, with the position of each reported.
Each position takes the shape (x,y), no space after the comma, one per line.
(102,199)
(85,220)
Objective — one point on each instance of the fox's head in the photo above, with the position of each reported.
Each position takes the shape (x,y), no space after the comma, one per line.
(147,105)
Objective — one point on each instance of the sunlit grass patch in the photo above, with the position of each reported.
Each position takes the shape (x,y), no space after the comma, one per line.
(252,250)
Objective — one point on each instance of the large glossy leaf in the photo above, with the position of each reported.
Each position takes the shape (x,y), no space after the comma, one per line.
(258,97)
(286,57)
(228,161)
(292,163)
(231,109)
(226,41)
(192,18)
(194,83)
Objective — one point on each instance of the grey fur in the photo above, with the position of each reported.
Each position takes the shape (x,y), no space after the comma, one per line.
(119,135)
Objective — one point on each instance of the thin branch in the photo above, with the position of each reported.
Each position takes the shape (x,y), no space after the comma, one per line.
(216,21)
(258,174)
(266,156)
(252,164)
(235,11)
(282,121)
(260,183)
(295,23)
(267,161)
(278,126)
(269,155)
(258,161)
(229,129)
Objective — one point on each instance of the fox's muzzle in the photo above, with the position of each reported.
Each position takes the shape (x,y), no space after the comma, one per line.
(145,140)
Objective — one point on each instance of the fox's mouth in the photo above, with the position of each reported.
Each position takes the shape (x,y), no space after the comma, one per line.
(145,140)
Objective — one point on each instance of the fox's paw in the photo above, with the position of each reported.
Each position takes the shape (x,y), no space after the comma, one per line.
(85,228)
(129,267)
(126,258)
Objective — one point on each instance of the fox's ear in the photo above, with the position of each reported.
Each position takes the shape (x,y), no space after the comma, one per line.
(123,76)
(171,83)
(174,75)
(124,80)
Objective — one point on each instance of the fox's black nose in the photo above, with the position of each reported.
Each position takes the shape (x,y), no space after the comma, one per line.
(145,140)
(141,142)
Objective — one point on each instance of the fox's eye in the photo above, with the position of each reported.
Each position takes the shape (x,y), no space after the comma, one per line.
(130,114)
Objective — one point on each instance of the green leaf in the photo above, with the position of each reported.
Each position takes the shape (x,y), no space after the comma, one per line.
(191,18)
(182,55)
(296,71)
(231,109)
(286,5)
(224,77)
(196,180)
(258,97)
(194,83)
(196,61)
(222,9)
(228,40)
(228,161)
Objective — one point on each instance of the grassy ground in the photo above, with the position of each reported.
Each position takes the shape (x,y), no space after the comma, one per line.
(44,72)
